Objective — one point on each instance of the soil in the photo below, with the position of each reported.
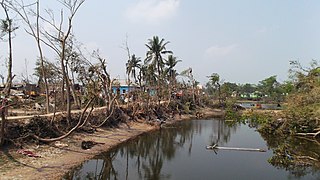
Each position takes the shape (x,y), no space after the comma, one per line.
(59,157)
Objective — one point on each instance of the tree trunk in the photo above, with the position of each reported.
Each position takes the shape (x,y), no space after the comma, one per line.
(44,74)
(71,131)
(9,78)
(3,122)
(74,93)
(65,77)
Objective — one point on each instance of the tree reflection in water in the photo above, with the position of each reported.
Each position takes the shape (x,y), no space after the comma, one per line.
(148,156)
(221,132)
(299,156)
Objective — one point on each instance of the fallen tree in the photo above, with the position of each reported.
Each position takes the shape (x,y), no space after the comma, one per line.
(314,135)
(72,130)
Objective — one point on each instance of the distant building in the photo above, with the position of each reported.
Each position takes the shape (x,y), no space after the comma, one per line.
(27,88)
(121,87)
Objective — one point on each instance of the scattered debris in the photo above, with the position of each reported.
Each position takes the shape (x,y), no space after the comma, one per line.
(89,144)
(27,153)
(60,145)
(199,115)
(39,106)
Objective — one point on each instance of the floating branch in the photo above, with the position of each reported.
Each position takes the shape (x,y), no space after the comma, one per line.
(215,146)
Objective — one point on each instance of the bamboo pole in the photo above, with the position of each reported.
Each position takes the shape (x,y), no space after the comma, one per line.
(234,148)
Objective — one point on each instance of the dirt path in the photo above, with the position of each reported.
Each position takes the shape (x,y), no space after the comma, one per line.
(56,159)
(50,114)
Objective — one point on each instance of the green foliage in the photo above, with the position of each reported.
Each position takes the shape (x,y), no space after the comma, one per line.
(271,88)
(231,111)
(295,155)
(303,106)
(53,72)
(186,108)
(156,48)
(258,117)
(132,65)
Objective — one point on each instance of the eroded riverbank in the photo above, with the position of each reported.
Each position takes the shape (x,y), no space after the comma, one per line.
(59,157)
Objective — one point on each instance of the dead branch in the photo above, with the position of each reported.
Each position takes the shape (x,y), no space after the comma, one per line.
(86,120)
(71,131)
(314,135)
(105,120)
(307,157)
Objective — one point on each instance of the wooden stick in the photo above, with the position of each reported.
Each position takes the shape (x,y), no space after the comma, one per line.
(235,148)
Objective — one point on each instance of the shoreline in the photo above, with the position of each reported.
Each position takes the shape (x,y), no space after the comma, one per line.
(60,157)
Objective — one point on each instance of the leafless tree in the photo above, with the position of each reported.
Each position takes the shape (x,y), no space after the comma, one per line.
(27,11)
(58,39)
(7,28)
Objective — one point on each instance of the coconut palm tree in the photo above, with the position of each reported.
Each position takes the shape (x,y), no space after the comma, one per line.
(214,79)
(132,65)
(171,73)
(156,48)
(171,62)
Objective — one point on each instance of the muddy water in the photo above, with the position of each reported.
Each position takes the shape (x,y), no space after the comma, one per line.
(178,152)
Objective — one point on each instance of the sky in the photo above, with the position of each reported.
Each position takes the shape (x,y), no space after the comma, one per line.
(244,41)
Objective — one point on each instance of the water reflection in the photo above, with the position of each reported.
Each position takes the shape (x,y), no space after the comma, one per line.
(299,156)
(178,152)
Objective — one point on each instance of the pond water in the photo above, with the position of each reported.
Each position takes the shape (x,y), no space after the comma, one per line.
(178,152)
(255,105)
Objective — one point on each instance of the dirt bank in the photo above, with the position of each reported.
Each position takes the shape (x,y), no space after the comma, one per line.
(60,157)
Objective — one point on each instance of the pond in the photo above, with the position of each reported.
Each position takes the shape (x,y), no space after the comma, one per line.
(256,105)
(179,152)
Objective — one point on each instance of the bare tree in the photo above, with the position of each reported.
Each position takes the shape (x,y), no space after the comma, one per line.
(126,48)
(25,11)
(58,40)
(6,28)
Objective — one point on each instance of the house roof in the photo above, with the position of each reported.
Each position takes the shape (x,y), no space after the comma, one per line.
(123,82)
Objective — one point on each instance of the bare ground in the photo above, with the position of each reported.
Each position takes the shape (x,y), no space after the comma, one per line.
(60,157)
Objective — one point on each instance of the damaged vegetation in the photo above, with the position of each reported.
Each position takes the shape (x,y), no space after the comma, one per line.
(292,132)
(75,92)
(42,129)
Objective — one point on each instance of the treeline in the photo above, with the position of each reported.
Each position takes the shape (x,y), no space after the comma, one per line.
(301,107)
(154,76)
(267,90)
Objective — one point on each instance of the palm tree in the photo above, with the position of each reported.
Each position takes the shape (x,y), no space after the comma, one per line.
(171,73)
(214,79)
(150,76)
(171,63)
(156,48)
(133,64)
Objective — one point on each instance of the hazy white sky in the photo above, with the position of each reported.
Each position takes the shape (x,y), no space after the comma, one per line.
(242,40)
